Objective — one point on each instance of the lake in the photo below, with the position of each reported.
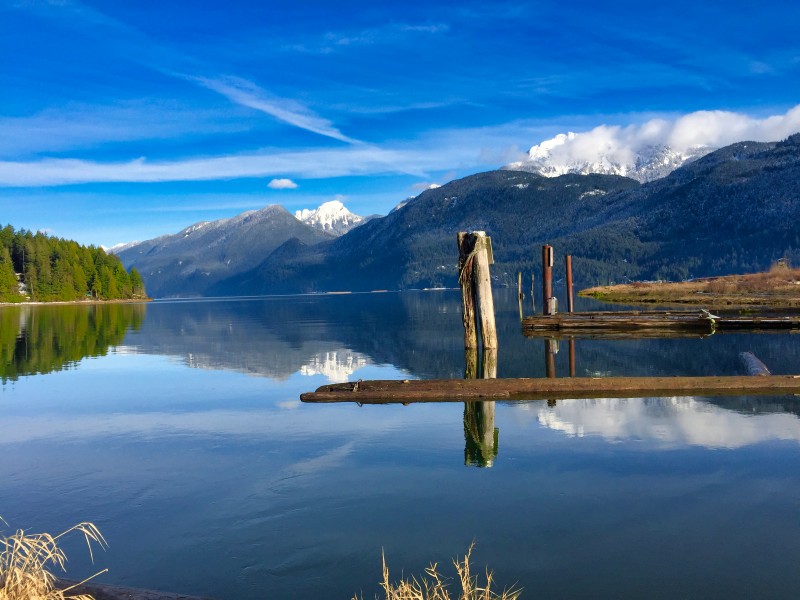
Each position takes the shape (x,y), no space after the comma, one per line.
(176,427)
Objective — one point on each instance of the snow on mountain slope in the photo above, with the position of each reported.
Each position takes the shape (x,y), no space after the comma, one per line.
(584,153)
(331,217)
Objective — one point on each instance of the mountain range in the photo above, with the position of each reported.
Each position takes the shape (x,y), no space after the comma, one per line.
(732,210)
(648,162)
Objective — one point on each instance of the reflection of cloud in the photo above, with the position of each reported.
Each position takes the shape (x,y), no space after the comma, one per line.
(322,462)
(336,366)
(671,422)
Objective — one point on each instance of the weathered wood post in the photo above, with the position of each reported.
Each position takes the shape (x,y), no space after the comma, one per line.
(474,250)
(570,300)
(483,289)
(547,279)
(466,246)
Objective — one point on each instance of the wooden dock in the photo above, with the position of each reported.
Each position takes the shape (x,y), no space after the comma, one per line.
(465,390)
(651,323)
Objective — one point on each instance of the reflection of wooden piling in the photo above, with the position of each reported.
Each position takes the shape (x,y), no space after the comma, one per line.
(547,279)
(570,299)
(533,296)
(476,288)
(550,358)
(520,294)
(480,434)
(572,357)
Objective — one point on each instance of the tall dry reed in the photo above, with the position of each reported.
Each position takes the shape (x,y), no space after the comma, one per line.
(435,586)
(26,557)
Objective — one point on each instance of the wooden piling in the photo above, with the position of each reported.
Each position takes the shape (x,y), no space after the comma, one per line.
(483,290)
(533,296)
(570,299)
(466,245)
(476,288)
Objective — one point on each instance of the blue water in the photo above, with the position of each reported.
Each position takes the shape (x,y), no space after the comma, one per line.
(183,438)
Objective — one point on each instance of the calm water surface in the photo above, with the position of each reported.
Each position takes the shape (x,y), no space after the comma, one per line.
(176,427)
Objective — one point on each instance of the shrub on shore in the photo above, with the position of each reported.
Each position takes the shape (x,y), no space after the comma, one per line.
(25,559)
(435,586)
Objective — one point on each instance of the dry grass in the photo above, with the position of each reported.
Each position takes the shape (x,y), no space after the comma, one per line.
(777,287)
(25,559)
(435,586)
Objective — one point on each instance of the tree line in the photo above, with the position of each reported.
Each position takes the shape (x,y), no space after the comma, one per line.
(55,269)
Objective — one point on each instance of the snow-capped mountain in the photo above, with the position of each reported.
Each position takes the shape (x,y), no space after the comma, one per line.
(578,153)
(331,217)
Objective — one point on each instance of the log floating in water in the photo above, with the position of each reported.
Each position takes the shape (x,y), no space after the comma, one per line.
(461,390)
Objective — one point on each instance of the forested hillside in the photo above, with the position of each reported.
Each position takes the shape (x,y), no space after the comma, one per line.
(56,269)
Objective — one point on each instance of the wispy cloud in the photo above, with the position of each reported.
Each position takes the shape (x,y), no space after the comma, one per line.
(247,93)
(170,62)
(308,164)
(282,184)
(85,126)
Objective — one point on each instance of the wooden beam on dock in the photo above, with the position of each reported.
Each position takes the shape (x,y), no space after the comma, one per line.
(653,323)
(465,390)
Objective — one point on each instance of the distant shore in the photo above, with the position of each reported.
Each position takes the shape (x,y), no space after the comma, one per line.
(79,302)
(777,288)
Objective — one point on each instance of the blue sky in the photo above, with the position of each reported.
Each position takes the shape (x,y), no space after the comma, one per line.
(122,121)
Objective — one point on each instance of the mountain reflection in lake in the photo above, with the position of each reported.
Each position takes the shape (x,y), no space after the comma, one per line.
(176,427)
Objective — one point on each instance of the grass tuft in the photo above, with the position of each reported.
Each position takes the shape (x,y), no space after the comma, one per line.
(435,586)
(25,559)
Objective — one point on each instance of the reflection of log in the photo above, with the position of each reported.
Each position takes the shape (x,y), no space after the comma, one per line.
(752,365)
(461,390)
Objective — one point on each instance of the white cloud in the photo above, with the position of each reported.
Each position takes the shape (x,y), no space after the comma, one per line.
(708,128)
(282,184)
(247,93)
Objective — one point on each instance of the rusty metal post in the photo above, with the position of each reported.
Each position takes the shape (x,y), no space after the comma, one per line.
(570,301)
(547,278)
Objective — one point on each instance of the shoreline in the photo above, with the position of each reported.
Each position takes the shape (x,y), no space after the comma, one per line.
(778,288)
(77,302)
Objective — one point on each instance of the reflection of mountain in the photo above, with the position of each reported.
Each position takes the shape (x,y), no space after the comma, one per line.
(41,339)
(669,422)
(336,366)
(417,332)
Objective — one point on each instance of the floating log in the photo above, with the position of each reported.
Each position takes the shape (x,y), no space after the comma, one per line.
(656,323)
(752,365)
(461,390)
